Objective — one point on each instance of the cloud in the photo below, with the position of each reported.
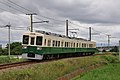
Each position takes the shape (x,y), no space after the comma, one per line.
(102,15)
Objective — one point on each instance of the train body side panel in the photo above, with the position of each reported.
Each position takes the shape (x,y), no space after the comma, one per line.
(56,50)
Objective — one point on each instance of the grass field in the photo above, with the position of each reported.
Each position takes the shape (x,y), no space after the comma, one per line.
(111,71)
(108,72)
(54,69)
(6,59)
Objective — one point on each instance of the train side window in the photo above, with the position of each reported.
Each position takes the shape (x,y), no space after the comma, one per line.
(58,43)
(49,42)
(32,40)
(61,44)
(74,44)
(90,45)
(25,39)
(53,43)
(38,40)
(45,42)
(82,45)
(85,45)
(77,44)
(65,44)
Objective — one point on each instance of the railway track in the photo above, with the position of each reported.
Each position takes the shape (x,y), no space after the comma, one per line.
(10,65)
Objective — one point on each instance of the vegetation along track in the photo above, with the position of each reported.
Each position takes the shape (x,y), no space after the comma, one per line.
(10,65)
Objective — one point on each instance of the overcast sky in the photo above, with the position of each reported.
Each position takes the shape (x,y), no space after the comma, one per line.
(102,15)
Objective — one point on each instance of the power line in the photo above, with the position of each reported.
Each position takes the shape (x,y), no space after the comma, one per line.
(32,12)
(17,9)
(12,7)
(78,25)
(19,6)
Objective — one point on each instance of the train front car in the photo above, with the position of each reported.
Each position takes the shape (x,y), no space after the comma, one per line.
(32,46)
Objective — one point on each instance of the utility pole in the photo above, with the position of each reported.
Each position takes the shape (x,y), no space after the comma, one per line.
(31,21)
(8,39)
(89,33)
(108,40)
(101,48)
(66,27)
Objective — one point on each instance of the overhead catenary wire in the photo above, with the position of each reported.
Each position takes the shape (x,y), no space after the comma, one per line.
(23,8)
(9,5)
(32,12)
(17,9)
(12,8)
(78,25)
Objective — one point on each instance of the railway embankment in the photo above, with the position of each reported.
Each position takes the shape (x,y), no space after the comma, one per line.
(59,69)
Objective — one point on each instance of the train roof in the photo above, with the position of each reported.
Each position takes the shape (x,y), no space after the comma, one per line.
(58,35)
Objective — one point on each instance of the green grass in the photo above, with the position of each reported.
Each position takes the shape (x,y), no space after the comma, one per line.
(108,72)
(6,59)
(50,70)
(54,69)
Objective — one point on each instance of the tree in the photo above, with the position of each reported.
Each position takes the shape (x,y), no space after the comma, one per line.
(15,47)
(0,51)
(115,49)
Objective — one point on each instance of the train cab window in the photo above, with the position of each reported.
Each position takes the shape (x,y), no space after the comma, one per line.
(32,40)
(39,40)
(25,39)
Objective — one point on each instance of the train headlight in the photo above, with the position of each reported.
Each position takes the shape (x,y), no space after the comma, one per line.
(24,47)
(39,48)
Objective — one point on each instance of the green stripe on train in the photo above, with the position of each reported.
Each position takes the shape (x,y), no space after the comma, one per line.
(56,50)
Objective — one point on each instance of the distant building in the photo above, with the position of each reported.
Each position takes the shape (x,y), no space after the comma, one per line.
(106,48)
